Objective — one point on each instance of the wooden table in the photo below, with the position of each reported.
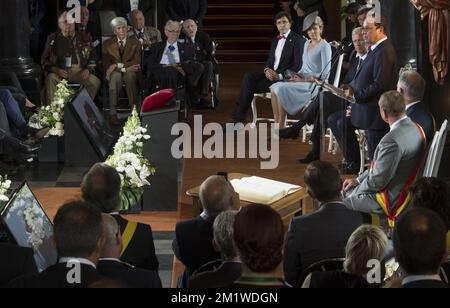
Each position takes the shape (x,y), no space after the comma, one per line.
(288,207)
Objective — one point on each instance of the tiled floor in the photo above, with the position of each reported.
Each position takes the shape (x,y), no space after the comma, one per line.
(163,246)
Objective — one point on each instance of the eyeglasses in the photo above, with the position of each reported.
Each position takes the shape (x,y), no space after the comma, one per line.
(173,31)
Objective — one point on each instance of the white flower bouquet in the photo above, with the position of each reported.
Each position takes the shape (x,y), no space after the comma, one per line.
(5,184)
(128,159)
(53,115)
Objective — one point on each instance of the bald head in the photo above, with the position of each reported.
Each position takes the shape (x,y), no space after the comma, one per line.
(137,19)
(84,16)
(190,28)
(111,235)
(217,195)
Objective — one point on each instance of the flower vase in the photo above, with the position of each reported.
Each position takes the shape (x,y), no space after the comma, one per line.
(131,200)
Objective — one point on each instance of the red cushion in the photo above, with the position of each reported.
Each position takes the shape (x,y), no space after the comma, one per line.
(157,100)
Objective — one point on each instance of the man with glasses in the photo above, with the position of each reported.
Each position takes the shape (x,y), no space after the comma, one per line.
(172,63)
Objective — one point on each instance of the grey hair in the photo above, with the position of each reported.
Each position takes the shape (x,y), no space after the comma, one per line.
(366,243)
(224,234)
(216,195)
(118,22)
(413,84)
(172,23)
(393,103)
(357,31)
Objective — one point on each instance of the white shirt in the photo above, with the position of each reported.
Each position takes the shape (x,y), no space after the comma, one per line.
(279,50)
(410,279)
(397,123)
(176,53)
(77,260)
(374,46)
(134,4)
(412,104)
(121,66)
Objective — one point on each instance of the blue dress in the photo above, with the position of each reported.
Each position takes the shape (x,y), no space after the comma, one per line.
(294,95)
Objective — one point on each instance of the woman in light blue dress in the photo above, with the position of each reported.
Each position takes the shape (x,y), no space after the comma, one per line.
(290,97)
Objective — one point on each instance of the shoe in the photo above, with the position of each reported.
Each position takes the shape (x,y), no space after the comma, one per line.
(37,136)
(289,133)
(29,149)
(114,120)
(309,158)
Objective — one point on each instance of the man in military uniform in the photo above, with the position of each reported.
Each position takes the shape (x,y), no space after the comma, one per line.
(68,55)
(146,35)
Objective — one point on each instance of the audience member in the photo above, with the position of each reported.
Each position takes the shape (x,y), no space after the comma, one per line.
(147,7)
(15,262)
(90,28)
(383,189)
(285,55)
(79,241)
(110,265)
(258,237)
(122,63)
(307,241)
(290,97)
(146,35)
(67,55)
(193,244)
(223,272)
(412,86)
(366,244)
(101,186)
(420,248)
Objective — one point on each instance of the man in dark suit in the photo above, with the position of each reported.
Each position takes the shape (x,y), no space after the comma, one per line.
(203,46)
(172,63)
(331,104)
(412,86)
(193,244)
(377,74)
(15,262)
(101,187)
(125,7)
(180,10)
(110,265)
(78,240)
(285,55)
(308,240)
(420,247)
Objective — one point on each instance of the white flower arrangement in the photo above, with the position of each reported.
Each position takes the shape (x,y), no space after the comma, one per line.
(53,115)
(128,159)
(5,184)
(35,226)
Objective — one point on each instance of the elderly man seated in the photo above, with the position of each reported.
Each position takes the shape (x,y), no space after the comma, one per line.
(122,63)
(146,35)
(172,63)
(67,55)
(203,46)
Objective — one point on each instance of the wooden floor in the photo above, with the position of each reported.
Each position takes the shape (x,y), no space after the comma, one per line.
(197,170)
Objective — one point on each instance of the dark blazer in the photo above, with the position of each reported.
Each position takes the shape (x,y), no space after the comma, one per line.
(339,280)
(216,274)
(203,46)
(319,236)
(419,114)
(426,284)
(141,251)
(377,74)
(187,9)
(55,277)
(123,7)
(15,261)
(187,56)
(292,55)
(193,244)
(130,276)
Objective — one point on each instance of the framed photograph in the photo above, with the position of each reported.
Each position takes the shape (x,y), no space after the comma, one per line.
(29,226)
(93,123)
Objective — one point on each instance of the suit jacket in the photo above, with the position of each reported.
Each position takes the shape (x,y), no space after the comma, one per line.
(187,9)
(123,8)
(131,55)
(203,46)
(15,262)
(339,280)
(141,251)
(55,277)
(54,54)
(187,56)
(426,284)
(130,276)
(419,114)
(193,244)
(292,55)
(221,274)
(309,241)
(377,74)
(150,34)
(397,156)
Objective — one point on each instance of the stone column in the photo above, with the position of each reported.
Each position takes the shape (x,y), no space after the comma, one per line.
(15,46)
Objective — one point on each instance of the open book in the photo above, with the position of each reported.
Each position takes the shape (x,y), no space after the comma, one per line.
(264,191)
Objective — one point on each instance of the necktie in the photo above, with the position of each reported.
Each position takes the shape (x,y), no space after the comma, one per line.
(281,37)
(170,55)
(360,60)
(121,48)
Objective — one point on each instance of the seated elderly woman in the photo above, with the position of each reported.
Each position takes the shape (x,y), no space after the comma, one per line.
(290,97)
(365,244)
(259,237)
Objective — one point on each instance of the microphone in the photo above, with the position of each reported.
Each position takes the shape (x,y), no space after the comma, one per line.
(340,47)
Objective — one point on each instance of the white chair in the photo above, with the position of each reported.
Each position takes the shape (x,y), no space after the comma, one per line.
(435,153)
